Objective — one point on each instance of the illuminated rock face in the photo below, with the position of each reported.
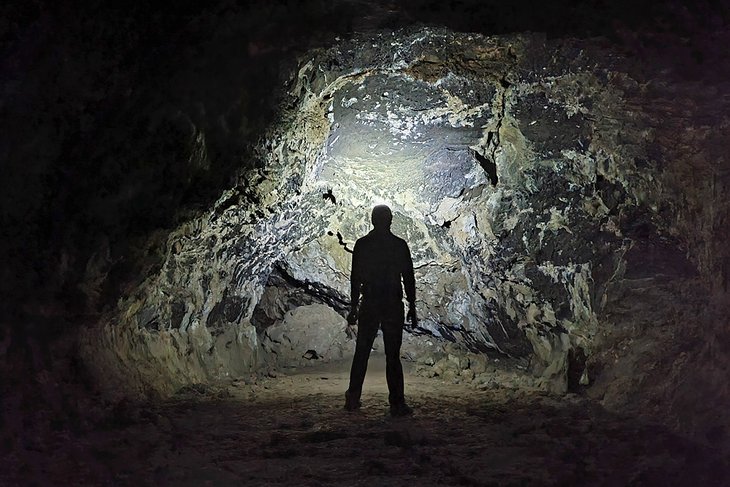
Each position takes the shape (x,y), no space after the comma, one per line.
(493,176)
(516,172)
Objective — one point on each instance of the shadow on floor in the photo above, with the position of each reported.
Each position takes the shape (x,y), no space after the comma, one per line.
(292,430)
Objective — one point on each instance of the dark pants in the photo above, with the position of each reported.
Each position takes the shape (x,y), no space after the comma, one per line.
(370,319)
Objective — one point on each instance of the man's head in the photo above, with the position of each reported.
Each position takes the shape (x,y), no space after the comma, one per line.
(382,217)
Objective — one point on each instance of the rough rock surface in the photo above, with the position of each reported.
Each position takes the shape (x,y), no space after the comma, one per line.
(308,333)
(534,180)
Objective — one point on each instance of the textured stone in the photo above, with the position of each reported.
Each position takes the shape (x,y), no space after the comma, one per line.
(530,178)
(313,327)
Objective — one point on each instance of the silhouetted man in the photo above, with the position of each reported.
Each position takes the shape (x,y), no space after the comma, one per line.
(379,261)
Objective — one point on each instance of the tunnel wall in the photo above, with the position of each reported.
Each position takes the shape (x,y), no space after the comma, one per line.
(123,126)
(587,259)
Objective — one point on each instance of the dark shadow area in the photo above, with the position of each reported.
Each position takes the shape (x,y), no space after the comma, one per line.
(272,431)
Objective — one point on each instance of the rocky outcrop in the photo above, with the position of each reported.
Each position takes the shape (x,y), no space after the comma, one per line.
(306,333)
(508,188)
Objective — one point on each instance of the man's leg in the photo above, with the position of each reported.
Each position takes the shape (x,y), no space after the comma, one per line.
(366,332)
(393,338)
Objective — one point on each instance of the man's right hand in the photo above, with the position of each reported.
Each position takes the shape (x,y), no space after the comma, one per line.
(352,317)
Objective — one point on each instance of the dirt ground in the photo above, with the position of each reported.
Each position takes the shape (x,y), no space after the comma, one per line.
(291,430)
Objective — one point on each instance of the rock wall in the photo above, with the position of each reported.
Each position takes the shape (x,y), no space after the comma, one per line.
(566,199)
(521,171)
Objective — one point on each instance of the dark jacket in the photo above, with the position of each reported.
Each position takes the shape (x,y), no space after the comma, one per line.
(379,261)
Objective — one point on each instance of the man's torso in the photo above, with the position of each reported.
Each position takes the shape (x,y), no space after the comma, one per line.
(382,257)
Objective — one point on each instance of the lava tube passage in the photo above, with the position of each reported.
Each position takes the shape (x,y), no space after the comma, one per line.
(504,188)
(207,288)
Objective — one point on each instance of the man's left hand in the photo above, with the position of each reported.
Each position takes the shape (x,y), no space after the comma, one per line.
(411,317)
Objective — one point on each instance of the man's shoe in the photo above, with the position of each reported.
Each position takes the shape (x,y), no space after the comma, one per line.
(400,410)
(351,404)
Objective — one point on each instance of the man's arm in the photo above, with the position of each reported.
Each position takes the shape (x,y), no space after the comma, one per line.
(355,283)
(409,283)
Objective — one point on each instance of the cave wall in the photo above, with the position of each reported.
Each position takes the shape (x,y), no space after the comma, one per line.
(516,252)
(115,168)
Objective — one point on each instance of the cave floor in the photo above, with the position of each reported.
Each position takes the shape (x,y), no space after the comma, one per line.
(292,430)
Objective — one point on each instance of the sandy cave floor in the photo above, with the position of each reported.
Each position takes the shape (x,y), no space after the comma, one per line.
(292,430)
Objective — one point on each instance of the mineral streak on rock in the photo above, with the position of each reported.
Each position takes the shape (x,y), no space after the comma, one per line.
(511,164)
